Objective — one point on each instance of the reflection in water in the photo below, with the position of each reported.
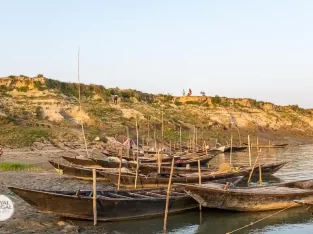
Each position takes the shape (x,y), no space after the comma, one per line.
(297,220)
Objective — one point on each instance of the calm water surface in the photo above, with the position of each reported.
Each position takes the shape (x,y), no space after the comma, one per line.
(291,221)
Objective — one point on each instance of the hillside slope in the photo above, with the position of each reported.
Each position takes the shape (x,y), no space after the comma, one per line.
(41,109)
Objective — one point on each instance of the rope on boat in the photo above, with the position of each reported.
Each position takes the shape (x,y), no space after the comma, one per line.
(252,223)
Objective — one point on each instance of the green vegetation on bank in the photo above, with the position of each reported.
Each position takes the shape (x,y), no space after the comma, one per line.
(13,166)
(19,136)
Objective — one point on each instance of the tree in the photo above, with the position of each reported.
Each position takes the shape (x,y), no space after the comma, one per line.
(202,93)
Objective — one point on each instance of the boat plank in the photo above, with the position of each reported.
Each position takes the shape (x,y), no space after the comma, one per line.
(140,195)
(119,196)
(156,194)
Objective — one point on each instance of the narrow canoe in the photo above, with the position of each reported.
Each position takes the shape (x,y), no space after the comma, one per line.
(112,205)
(161,180)
(267,169)
(236,148)
(191,162)
(86,162)
(77,172)
(108,164)
(269,146)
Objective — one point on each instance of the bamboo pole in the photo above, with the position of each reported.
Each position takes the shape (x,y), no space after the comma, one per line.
(256,160)
(162,125)
(196,137)
(180,142)
(136,178)
(79,101)
(171,147)
(199,172)
(120,170)
(159,162)
(94,192)
(155,142)
(260,168)
(148,126)
(78,77)
(231,149)
(249,146)
(128,144)
(168,196)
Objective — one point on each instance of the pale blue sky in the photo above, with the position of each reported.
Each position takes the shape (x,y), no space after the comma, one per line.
(259,49)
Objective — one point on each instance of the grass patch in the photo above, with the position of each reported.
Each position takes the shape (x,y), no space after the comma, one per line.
(21,136)
(12,166)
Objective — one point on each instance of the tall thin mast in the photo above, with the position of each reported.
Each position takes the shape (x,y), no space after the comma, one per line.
(80,107)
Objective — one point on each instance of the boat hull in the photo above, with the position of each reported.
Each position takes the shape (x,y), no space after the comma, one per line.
(108,209)
(245,202)
(108,164)
(253,199)
(78,172)
(128,180)
(80,162)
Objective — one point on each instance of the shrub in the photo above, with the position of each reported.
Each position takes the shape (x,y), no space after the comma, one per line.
(20,136)
(22,89)
(3,88)
(178,103)
(193,103)
(125,95)
(216,100)
(38,85)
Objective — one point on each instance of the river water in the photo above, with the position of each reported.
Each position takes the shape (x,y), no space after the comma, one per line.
(297,220)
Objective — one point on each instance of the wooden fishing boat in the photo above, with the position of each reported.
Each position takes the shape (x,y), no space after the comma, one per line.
(161,180)
(236,148)
(112,205)
(217,150)
(192,162)
(267,169)
(77,172)
(251,199)
(109,153)
(150,168)
(86,162)
(164,160)
(269,146)
(108,164)
(270,168)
